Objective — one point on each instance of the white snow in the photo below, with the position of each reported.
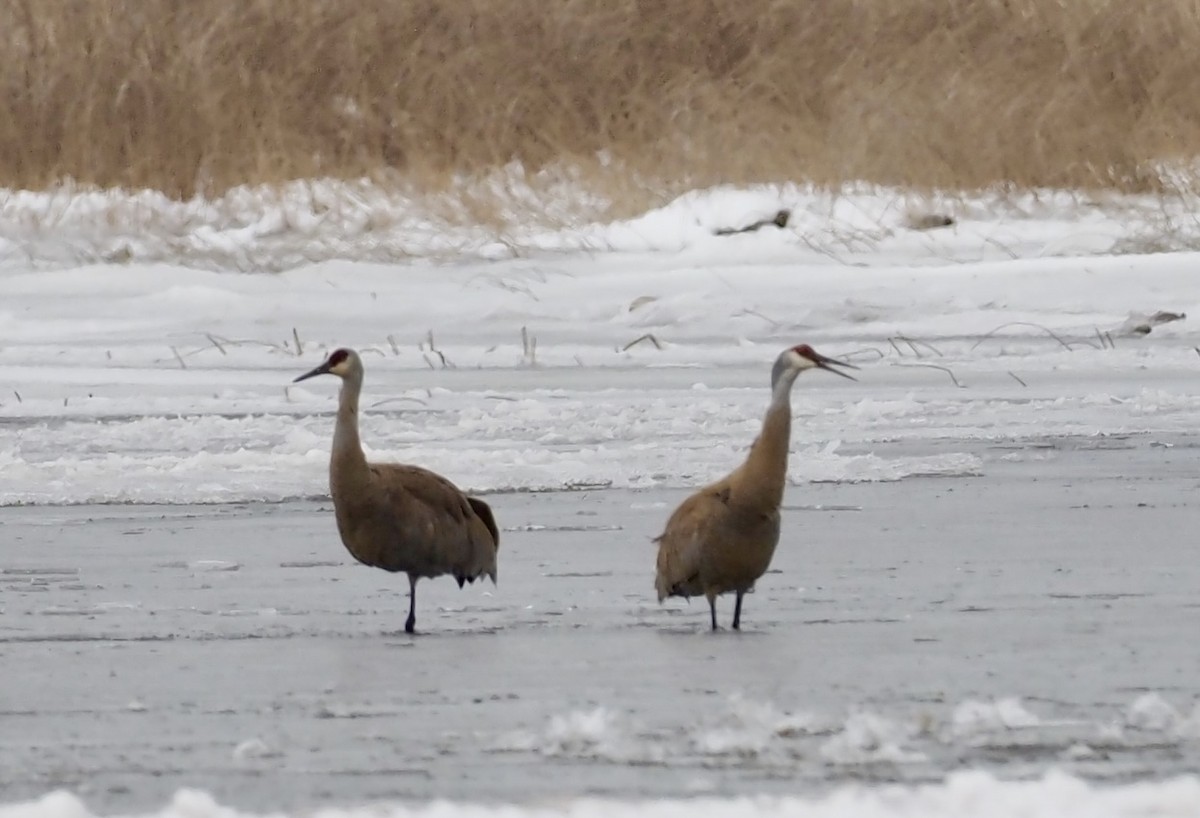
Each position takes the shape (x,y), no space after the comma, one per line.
(748,730)
(598,733)
(151,380)
(868,738)
(253,748)
(751,728)
(584,734)
(270,229)
(1150,711)
(974,717)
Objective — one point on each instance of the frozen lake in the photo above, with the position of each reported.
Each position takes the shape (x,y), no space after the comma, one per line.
(986,593)
(1039,616)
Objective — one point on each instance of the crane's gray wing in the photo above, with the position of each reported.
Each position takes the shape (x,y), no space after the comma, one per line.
(424,497)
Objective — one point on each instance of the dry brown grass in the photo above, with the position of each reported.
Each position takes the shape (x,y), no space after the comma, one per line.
(635,94)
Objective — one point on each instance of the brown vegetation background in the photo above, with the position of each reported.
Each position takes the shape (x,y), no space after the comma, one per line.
(201,95)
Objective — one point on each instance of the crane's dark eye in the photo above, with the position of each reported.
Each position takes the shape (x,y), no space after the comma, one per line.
(337,356)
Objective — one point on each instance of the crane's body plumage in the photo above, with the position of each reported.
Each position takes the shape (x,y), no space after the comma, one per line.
(398,517)
(715,544)
(411,520)
(722,538)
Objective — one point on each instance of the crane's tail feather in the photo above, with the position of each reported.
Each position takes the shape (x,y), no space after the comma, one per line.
(663,586)
(484,512)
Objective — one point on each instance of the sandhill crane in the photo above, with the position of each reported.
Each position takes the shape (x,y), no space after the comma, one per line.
(722,538)
(399,517)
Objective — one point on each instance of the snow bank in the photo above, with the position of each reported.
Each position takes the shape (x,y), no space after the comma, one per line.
(304,222)
(147,380)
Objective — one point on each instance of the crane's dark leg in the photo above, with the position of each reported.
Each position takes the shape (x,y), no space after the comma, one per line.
(712,609)
(410,624)
(737,611)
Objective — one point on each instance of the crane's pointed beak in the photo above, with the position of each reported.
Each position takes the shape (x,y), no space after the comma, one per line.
(312,373)
(828,365)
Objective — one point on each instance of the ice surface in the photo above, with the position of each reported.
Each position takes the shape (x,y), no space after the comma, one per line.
(147,349)
(906,631)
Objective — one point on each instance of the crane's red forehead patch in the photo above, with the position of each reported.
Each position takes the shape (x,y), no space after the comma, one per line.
(805,351)
(337,356)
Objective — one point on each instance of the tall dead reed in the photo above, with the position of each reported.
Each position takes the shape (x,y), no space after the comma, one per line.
(630,94)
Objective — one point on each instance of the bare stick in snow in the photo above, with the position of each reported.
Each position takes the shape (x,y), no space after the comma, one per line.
(945,369)
(649,336)
(912,342)
(1044,329)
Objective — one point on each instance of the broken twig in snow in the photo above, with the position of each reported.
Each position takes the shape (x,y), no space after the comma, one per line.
(913,342)
(528,347)
(1044,329)
(945,369)
(649,336)
(212,340)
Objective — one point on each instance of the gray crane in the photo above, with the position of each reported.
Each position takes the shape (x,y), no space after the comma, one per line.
(722,538)
(398,517)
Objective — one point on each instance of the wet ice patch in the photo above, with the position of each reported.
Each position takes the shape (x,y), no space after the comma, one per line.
(346,710)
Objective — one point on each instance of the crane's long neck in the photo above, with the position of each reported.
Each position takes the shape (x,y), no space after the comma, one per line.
(347,464)
(764,474)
